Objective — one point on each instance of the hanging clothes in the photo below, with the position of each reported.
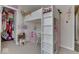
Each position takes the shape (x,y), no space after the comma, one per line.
(33,37)
(7,23)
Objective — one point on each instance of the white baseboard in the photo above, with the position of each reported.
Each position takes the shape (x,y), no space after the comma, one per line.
(63,46)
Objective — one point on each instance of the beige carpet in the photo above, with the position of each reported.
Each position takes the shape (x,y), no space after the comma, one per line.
(9,47)
(77,47)
(67,51)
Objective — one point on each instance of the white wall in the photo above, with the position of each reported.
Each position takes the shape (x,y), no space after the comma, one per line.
(67,29)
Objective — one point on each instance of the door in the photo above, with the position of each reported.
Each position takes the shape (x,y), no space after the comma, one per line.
(47,31)
(56,25)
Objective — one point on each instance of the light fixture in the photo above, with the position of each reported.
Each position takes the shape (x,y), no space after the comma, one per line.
(25,13)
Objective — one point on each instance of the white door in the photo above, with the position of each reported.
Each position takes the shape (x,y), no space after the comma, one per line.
(47,31)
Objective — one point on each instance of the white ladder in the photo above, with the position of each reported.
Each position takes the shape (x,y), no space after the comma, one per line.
(47,31)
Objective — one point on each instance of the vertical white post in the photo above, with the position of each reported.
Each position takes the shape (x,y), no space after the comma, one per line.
(19,24)
(0,25)
(16,25)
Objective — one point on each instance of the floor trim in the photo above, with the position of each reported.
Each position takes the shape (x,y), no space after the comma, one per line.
(67,48)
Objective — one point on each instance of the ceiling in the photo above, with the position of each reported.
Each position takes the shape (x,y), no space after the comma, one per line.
(31,8)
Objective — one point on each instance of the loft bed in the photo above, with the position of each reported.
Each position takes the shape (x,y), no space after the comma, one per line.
(45,14)
(34,15)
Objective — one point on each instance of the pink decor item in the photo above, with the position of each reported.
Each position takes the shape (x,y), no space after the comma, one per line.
(33,37)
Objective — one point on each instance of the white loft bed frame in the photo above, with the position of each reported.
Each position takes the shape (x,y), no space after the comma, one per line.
(37,15)
(34,15)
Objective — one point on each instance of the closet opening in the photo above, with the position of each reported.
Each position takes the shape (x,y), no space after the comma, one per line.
(7,26)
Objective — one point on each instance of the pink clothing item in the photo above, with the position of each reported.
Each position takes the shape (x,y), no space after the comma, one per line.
(33,37)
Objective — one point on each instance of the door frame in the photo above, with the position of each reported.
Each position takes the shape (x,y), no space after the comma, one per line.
(75,28)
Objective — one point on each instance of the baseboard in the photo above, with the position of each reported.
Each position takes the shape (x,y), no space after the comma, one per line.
(63,46)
